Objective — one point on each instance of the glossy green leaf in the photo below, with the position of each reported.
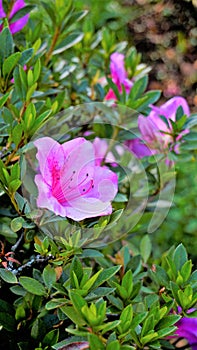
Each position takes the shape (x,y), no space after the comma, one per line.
(7,276)
(32,285)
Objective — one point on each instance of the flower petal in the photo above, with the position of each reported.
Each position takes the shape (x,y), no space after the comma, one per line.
(105,184)
(83,208)
(45,198)
(110,95)
(2,12)
(100,148)
(148,129)
(50,157)
(117,68)
(19,24)
(169,108)
(187,328)
(138,148)
(18,4)
(80,159)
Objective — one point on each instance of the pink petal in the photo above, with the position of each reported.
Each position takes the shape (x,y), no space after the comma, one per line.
(19,24)
(100,148)
(105,184)
(138,148)
(110,95)
(119,75)
(169,108)
(148,129)
(45,198)
(117,68)
(79,157)
(2,12)
(18,4)
(50,157)
(83,208)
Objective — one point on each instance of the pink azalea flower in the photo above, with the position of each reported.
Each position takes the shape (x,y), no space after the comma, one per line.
(187,328)
(70,183)
(21,22)
(119,75)
(100,149)
(154,130)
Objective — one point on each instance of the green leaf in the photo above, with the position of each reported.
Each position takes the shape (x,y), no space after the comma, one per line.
(114,345)
(95,342)
(145,248)
(180,256)
(76,267)
(166,331)
(7,232)
(175,290)
(126,319)
(7,321)
(138,88)
(105,275)
(138,319)
(77,300)
(148,325)
(17,224)
(51,338)
(8,276)
(186,270)
(37,70)
(17,134)
(148,98)
(167,321)
(26,56)
(7,45)
(21,13)
(20,313)
(4,98)
(91,253)
(10,63)
(55,303)
(14,185)
(91,281)
(40,120)
(191,121)
(73,315)
(49,276)
(50,9)
(127,282)
(30,91)
(71,40)
(149,338)
(179,113)
(108,327)
(32,285)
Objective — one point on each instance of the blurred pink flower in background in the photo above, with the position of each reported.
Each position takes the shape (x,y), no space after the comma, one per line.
(70,182)
(156,134)
(119,75)
(19,23)
(100,148)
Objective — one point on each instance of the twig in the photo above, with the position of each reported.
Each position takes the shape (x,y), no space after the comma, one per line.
(35,260)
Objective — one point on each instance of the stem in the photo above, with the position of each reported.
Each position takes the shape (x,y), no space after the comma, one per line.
(14,203)
(55,37)
(17,244)
(11,156)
